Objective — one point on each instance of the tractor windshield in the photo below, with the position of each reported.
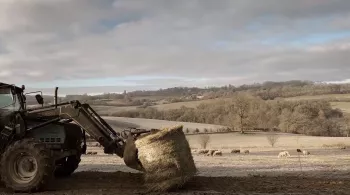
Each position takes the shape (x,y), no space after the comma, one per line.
(6,97)
(7,100)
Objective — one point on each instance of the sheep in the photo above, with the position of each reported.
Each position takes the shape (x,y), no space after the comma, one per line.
(298,150)
(305,152)
(283,154)
(211,152)
(236,151)
(203,151)
(246,151)
(217,153)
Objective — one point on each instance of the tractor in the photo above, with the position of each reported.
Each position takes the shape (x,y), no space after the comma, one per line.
(46,141)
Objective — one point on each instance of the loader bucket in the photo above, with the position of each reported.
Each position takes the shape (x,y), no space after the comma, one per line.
(130,155)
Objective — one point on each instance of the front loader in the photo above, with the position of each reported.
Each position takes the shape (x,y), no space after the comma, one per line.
(43,142)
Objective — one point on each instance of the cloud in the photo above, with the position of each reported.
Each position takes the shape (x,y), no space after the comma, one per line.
(200,42)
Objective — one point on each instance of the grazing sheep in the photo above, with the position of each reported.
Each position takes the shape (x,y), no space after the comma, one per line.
(283,154)
(203,151)
(298,150)
(342,147)
(212,152)
(305,152)
(246,151)
(94,153)
(236,151)
(89,153)
(217,153)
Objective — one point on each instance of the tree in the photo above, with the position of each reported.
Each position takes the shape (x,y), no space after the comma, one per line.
(242,106)
(203,141)
(272,139)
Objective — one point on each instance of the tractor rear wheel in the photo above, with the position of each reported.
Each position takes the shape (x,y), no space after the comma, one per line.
(27,166)
(67,165)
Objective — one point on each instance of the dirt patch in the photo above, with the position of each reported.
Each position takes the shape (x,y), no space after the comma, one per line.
(132,183)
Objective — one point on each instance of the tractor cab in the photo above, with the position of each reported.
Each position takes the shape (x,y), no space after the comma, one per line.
(12,98)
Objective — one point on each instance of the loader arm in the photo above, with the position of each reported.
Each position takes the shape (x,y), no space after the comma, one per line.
(83,115)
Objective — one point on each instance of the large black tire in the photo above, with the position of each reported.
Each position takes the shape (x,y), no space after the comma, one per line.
(38,165)
(67,165)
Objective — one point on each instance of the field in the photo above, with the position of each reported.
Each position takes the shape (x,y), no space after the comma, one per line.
(106,109)
(320,97)
(190,104)
(344,106)
(153,123)
(341,101)
(325,171)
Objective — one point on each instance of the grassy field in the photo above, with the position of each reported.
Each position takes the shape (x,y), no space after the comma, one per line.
(103,110)
(320,97)
(344,106)
(335,99)
(191,104)
(325,171)
(252,140)
(257,141)
(152,123)
(340,101)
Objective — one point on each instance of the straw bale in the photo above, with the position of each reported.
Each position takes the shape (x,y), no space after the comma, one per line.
(166,158)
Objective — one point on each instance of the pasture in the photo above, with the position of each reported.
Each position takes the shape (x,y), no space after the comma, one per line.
(153,123)
(326,168)
(343,106)
(324,171)
(321,97)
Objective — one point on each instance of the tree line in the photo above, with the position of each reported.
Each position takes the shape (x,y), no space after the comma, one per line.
(245,111)
(267,91)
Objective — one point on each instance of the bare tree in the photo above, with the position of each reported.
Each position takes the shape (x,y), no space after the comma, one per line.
(204,140)
(242,108)
(272,139)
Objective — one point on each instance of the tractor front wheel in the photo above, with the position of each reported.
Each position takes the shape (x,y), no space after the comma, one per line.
(27,166)
(67,165)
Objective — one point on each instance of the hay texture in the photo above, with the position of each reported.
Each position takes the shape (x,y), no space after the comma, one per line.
(166,158)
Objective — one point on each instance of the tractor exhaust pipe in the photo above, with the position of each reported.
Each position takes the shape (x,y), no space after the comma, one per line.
(56,89)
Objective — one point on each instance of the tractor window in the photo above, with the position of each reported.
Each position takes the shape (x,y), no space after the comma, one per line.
(6,98)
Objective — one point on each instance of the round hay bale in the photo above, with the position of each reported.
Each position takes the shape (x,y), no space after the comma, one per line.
(166,158)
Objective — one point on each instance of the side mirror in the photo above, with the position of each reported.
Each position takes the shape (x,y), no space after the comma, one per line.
(39,99)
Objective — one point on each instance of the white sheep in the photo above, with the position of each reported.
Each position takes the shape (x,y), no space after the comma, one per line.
(217,153)
(305,152)
(283,154)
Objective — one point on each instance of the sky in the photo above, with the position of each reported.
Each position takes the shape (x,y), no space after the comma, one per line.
(89,46)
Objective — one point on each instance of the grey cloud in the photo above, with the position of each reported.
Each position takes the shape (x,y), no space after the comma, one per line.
(223,41)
